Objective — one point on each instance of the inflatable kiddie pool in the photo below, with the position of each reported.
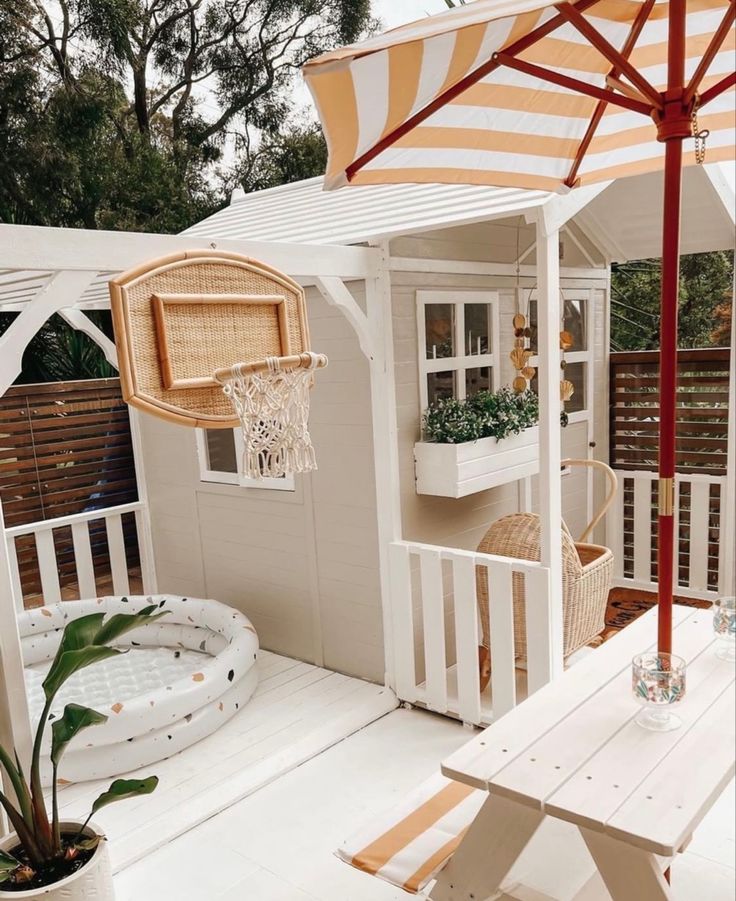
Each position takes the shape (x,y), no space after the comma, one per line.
(182,677)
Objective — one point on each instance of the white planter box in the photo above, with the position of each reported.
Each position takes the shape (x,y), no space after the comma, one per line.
(456,470)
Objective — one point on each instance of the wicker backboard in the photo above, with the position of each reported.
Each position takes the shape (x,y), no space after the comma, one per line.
(180,318)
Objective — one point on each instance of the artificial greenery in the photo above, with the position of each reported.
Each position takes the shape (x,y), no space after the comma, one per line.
(487,414)
(44,854)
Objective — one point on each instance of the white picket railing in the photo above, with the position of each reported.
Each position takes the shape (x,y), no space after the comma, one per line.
(80,524)
(700,507)
(437,630)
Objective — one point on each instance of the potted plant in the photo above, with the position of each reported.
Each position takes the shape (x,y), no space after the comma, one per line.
(46,857)
(471,445)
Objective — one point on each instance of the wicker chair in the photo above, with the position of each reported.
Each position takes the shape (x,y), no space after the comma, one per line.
(586,576)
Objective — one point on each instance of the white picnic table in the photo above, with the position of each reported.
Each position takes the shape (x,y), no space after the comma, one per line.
(572,751)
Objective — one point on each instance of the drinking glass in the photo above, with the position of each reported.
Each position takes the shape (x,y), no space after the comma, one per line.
(724,626)
(658,683)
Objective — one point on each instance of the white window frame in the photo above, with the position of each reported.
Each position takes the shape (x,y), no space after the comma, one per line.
(587,356)
(235,478)
(460,362)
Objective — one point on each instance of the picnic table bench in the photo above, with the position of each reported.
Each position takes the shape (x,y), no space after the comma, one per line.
(572,751)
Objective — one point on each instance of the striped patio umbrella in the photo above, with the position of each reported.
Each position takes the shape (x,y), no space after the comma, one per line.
(545,96)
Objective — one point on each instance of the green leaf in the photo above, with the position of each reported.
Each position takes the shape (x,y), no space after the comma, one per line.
(75,719)
(121,789)
(120,623)
(8,865)
(71,662)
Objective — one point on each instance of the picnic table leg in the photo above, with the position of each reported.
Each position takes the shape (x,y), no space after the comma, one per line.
(489,849)
(630,874)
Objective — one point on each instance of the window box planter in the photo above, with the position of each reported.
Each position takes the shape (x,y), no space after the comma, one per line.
(456,470)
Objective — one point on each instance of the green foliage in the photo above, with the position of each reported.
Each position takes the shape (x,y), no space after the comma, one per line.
(84,642)
(706,281)
(486,414)
(126,114)
(299,153)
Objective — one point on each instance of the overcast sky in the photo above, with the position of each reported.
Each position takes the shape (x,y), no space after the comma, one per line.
(397,12)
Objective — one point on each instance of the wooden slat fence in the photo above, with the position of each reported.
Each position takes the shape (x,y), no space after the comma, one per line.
(702,410)
(702,453)
(65,449)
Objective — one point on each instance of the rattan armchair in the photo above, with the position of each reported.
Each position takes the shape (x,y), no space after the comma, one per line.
(586,576)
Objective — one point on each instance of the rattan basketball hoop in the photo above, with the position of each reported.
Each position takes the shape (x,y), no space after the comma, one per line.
(216,340)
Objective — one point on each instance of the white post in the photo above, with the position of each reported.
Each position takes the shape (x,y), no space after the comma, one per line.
(728,497)
(15,726)
(550,487)
(385,441)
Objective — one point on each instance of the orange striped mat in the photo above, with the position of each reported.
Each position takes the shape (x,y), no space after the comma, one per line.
(411,843)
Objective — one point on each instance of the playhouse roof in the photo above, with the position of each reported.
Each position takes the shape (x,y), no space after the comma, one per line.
(624,220)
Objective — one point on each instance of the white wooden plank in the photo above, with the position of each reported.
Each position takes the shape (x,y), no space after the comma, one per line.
(83,560)
(12,563)
(569,745)
(403,622)
(642,527)
(480,759)
(47,567)
(699,516)
(145,550)
(593,794)
(433,609)
(118,559)
(466,640)
(538,618)
(503,652)
(665,809)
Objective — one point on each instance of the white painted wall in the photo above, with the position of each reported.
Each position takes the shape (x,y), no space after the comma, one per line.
(302,565)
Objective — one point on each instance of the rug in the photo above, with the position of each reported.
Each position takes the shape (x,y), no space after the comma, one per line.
(626,604)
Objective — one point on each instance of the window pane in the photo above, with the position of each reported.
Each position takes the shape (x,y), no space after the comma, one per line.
(440,385)
(221,455)
(533,327)
(575,312)
(575,324)
(439,321)
(477,380)
(477,329)
(575,373)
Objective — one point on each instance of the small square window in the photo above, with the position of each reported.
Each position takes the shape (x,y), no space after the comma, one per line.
(220,461)
(440,385)
(477,329)
(477,380)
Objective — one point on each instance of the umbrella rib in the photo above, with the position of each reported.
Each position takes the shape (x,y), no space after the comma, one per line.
(715,45)
(717,89)
(636,29)
(573,84)
(579,22)
(455,90)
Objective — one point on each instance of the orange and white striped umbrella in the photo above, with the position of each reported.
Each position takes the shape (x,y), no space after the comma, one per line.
(521,93)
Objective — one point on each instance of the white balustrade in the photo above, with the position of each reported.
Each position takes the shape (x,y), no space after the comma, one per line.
(80,524)
(437,630)
(700,508)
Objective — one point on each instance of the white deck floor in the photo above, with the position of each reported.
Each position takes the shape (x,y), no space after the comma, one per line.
(277,844)
(297,711)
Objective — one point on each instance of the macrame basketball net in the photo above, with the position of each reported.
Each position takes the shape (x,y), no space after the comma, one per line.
(273,407)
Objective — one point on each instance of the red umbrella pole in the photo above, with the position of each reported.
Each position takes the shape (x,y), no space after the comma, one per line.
(674,127)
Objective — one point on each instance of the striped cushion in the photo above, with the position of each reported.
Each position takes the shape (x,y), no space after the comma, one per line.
(411,843)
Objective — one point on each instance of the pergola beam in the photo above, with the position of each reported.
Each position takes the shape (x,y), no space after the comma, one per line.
(79,321)
(62,290)
(36,247)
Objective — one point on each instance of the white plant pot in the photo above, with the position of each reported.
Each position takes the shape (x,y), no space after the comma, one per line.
(456,470)
(92,883)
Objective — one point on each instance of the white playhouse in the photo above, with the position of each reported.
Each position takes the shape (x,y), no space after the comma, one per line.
(360,578)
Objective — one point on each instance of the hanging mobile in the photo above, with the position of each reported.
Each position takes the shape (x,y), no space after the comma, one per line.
(567,389)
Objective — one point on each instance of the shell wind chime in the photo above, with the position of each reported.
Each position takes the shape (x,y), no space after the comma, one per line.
(521,354)
(567,389)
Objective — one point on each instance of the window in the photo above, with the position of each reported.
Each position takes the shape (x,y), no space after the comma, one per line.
(458,344)
(579,358)
(220,452)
